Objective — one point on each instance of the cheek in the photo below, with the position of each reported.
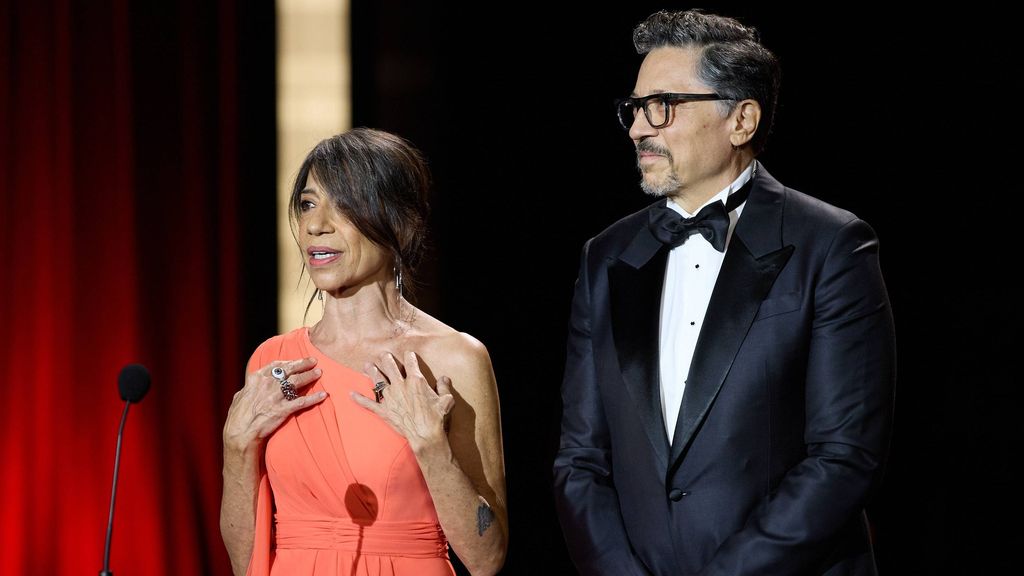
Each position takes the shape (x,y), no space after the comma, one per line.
(696,148)
(682,153)
(370,255)
(681,144)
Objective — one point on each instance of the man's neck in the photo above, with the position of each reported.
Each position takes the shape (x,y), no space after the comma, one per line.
(692,200)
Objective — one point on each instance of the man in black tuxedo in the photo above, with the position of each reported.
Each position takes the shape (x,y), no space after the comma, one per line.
(728,392)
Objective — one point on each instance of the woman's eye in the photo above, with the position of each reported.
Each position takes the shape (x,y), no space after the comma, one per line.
(306,205)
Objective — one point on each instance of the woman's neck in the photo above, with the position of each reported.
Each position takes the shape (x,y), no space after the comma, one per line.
(374,311)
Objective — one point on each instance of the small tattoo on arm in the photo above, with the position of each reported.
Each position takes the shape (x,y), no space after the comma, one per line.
(484,517)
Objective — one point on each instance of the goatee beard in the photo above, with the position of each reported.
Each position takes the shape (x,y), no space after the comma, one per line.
(669,184)
(660,189)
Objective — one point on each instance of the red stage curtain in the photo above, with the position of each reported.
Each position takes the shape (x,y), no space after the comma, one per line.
(119,243)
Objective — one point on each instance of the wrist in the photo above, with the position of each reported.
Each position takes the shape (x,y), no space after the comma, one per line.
(435,448)
(240,445)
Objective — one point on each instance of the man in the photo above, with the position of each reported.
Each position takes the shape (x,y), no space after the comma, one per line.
(727,399)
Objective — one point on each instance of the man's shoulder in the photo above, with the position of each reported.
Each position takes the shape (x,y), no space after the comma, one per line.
(800,208)
(807,220)
(618,235)
(805,208)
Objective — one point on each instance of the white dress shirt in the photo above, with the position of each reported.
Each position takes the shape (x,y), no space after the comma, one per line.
(689,279)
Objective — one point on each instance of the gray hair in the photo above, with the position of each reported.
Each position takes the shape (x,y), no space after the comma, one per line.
(733,62)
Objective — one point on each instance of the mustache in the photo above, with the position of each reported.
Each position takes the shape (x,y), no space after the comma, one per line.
(646,145)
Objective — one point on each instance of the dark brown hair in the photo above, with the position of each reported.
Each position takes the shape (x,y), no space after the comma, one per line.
(380,182)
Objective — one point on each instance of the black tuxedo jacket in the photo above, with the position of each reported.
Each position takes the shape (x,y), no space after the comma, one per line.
(785,420)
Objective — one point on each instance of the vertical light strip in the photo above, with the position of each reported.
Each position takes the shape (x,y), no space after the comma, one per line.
(313,102)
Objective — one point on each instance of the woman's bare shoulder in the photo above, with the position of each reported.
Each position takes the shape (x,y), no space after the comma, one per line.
(451,351)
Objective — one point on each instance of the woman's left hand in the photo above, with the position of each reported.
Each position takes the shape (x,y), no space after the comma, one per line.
(409,405)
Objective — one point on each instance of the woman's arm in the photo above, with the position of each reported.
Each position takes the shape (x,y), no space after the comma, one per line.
(463,467)
(238,502)
(466,471)
(256,411)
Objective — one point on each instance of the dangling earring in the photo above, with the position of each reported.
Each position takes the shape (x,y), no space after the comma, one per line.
(398,280)
(320,295)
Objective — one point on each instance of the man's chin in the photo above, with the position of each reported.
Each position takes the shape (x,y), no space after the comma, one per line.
(659,187)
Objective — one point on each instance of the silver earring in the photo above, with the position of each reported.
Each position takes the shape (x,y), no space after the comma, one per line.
(320,295)
(398,279)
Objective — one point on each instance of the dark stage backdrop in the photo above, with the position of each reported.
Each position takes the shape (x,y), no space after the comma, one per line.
(897,116)
(137,179)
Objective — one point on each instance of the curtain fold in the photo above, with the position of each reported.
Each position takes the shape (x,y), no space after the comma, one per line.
(121,218)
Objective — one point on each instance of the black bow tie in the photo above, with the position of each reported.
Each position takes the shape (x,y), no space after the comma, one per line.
(712,222)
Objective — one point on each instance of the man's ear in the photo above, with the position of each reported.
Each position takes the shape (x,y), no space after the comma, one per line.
(745,119)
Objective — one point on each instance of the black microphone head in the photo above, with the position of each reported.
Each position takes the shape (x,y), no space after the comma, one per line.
(133,382)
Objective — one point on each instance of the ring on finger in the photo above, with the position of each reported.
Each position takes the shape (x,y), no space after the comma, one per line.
(378,390)
(288,390)
(279,374)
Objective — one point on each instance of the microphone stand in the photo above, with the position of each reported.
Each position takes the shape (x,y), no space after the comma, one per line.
(113,493)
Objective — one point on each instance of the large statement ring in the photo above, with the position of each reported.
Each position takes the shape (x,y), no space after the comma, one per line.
(288,390)
(378,390)
(278,373)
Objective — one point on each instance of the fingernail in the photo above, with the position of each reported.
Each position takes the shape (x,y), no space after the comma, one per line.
(321,394)
(317,371)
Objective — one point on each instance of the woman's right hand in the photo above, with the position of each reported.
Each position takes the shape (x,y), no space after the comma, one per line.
(260,406)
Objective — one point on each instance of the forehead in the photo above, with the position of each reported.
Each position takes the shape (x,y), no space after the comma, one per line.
(669,69)
(312,184)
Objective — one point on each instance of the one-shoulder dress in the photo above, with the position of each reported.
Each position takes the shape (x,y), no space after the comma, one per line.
(340,492)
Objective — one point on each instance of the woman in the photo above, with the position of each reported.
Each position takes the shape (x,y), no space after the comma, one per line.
(329,470)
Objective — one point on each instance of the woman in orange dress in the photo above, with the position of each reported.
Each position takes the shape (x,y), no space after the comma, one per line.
(370,442)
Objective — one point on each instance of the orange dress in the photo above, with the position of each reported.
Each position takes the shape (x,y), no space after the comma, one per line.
(341,492)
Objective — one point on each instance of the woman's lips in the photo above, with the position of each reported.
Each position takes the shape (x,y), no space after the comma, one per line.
(321,256)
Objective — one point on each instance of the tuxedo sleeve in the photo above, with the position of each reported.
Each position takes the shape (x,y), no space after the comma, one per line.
(587,503)
(849,386)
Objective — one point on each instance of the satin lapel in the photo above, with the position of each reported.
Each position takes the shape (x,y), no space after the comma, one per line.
(752,263)
(635,284)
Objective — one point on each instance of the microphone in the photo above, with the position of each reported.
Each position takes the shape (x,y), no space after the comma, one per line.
(133,383)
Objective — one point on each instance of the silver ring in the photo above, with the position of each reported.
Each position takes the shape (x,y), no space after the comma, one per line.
(278,373)
(288,390)
(378,390)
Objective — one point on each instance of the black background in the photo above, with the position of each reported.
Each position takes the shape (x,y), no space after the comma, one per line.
(905,118)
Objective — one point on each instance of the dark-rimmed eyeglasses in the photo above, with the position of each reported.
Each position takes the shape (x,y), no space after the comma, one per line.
(657,107)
